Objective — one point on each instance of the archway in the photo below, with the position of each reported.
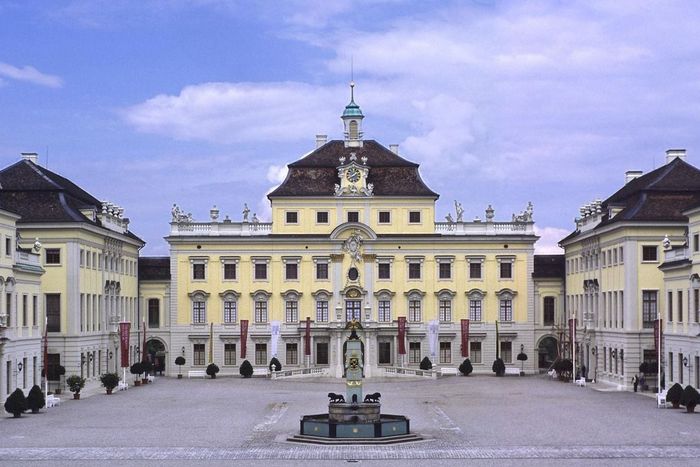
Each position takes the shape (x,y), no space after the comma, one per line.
(156,353)
(547,352)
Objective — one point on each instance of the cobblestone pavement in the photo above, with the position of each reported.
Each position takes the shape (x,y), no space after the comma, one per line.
(505,421)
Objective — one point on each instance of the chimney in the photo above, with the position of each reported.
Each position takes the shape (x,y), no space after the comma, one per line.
(321,140)
(673,153)
(631,175)
(394,148)
(31,157)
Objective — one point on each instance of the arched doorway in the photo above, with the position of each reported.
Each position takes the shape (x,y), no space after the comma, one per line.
(156,353)
(547,352)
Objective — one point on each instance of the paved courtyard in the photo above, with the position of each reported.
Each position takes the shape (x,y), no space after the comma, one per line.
(504,421)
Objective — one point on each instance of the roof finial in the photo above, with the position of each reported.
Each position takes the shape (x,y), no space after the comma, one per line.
(352,79)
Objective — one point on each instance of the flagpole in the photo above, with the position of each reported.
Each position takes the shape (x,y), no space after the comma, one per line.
(211,342)
(573,345)
(46,355)
(658,358)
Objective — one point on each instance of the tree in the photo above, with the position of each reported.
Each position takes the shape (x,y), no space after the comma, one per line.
(674,395)
(522,357)
(179,361)
(690,398)
(16,403)
(147,369)
(498,367)
(109,381)
(246,369)
(212,370)
(426,364)
(36,399)
(275,364)
(466,367)
(136,370)
(75,384)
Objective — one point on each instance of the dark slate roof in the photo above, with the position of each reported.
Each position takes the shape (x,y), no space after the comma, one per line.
(659,196)
(154,268)
(40,195)
(316,174)
(548,266)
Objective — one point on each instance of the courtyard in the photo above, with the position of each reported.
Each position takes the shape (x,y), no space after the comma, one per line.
(509,420)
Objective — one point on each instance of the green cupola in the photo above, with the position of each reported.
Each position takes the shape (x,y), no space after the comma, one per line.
(352,120)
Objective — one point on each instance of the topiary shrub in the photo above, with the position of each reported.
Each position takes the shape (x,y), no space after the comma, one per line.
(109,381)
(136,369)
(644,368)
(36,399)
(179,361)
(275,364)
(522,358)
(147,369)
(466,367)
(690,398)
(212,370)
(16,403)
(75,384)
(498,367)
(674,395)
(426,364)
(246,369)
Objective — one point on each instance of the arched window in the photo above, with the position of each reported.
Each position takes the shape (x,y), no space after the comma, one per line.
(230,306)
(353,127)
(260,300)
(415,307)
(476,305)
(199,307)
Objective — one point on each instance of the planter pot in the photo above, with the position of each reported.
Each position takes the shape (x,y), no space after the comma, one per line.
(16,414)
(76,396)
(137,382)
(57,391)
(179,376)
(690,408)
(213,376)
(675,405)
(109,391)
(35,410)
(144,381)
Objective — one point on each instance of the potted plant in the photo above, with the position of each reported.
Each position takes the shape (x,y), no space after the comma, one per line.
(690,398)
(75,384)
(426,364)
(147,368)
(36,399)
(136,370)
(109,381)
(522,357)
(212,370)
(498,367)
(466,367)
(246,369)
(16,403)
(179,361)
(674,395)
(275,365)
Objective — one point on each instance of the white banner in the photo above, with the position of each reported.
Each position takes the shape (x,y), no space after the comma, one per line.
(275,334)
(433,328)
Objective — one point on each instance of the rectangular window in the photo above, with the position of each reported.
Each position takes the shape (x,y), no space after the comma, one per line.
(53,312)
(198,312)
(384,217)
(292,311)
(384,353)
(507,352)
(321,271)
(680,368)
(229,354)
(82,257)
(25,308)
(292,354)
(414,353)
(680,306)
(384,311)
(384,270)
(8,377)
(445,352)
(322,311)
(322,217)
(696,243)
(670,368)
(445,270)
(53,256)
(261,354)
(506,269)
(649,253)
(292,217)
(475,310)
(261,271)
(670,306)
(230,311)
(475,270)
(8,246)
(475,352)
(506,310)
(53,363)
(261,311)
(153,313)
(198,271)
(229,271)
(445,311)
(414,311)
(291,271)
(198,355)
(321,353)
(648,308)
(35,310)
(548,314)
(696,305)
(622,256)
(353,216)
(414,270)
(414,217)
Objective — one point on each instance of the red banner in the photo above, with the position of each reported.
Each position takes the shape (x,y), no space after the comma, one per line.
(124,329)
(307,337)
(465,338)
(46,349)
(402,335)
(144,351)
(657,334)
(244,336)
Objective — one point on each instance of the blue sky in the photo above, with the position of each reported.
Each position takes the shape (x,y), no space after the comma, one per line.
(204,102)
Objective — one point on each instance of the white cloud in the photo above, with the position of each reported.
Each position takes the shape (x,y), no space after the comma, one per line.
(30,75)
(277,174)
(548,244)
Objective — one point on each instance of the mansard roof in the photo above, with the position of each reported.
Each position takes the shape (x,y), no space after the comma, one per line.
(154,268)
(316,174)
(549,266)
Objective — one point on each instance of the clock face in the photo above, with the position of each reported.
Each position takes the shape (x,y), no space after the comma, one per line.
(353,174)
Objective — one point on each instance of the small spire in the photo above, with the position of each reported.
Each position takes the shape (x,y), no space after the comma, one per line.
(352,91)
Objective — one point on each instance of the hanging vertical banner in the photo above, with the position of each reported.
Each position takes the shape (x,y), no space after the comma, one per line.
(144,351)
(402,335)
(274,337)
(572,332)
(307,337)
(497,343)
(244,336)
(433,328)
(465,338)
(124,330)
(46,349)
(211,342)
(656,334)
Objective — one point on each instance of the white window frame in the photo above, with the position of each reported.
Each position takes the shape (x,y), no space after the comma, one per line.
(261,260)
(292,260)
(291,304)
(261,296)
(198,296)
(414,260)
(235,260)
(503,260)
(229,296)
(439,260)
(198,260)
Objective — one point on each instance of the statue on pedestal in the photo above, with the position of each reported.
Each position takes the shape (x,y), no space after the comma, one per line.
(353,364)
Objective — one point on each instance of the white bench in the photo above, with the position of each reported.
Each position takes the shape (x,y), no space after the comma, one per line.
(260,371)
(150,378)
(122,386)
(52,401)
(196,374)
(581,382)
(512,371)
(449,371)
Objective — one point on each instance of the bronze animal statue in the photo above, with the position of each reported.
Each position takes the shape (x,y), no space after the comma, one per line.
(373,398)
(336,398)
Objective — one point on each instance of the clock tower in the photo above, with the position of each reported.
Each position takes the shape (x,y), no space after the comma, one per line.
(352,120)
(353,177)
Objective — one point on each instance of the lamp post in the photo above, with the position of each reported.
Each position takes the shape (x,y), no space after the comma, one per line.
(658,356)
(573,345)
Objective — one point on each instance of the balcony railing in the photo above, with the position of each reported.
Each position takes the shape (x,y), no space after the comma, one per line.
(215,229)
(485,228)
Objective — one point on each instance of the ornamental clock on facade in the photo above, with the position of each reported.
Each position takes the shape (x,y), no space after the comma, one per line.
(353,174)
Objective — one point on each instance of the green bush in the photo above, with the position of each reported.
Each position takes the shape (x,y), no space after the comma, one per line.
(674,395)
(466,367)
(180,361)
(212,370)
(425,364)
(275,364)
(498,367)
(109,380)
(75,383)
(246,369)
(35,399)
(147,367)
(136,369)
(522,357)
(16,403)
(690,398)
(644,368)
